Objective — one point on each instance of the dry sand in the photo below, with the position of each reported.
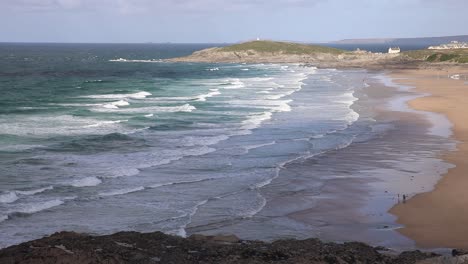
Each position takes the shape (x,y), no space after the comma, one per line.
(440,218)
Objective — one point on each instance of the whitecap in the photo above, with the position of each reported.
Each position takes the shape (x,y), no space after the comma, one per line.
(8,197)
(250,147)
(203,97)
(86,182)
(129,60)
(35,191)
(37,207)
(122,191)
(254,121)
(110,106)
(121,103)
(174,109)
(138,95)
(234,84)
(102,123)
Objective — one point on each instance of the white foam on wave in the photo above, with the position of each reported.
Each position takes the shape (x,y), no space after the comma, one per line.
(348,99)
(138,95)
(273,105)
(13,196)
(253,211)
(115,105)
(86,182)
(180,108)
(181,232)
(53,125)
(248,148)
(213,92)
(154,109)
(129,60)
(122,191)
(190,141)
(8,197)
(260,79)
(149,115)
(37,207)
(279,96)
(352,117)
(35,191)
(157,185)
(110,106)
(255,121)
(103,123)
(213,69)
(201,97)
(131,164)
(234,84)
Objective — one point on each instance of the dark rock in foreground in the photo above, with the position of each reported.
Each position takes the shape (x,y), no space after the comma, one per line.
(133,247)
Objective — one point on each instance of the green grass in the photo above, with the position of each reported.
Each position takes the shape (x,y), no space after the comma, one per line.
(462,59)
(448,57)
(281,47)
(458,55)
(432,58)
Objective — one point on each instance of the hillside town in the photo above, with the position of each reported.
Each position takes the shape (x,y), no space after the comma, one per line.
(451,45)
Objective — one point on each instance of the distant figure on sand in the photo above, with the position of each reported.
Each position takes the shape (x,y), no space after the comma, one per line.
(404,198)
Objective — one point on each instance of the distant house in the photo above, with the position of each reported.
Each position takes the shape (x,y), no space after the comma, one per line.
(394,50)
(451,45)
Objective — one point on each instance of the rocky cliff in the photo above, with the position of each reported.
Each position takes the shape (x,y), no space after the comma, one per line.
(133,247)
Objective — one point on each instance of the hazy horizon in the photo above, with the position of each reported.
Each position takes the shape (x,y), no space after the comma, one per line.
(209,21)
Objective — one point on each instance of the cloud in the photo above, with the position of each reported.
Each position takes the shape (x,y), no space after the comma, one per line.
(151,6)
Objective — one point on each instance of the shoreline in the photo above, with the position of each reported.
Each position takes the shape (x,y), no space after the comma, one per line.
(438,218)
(415,102)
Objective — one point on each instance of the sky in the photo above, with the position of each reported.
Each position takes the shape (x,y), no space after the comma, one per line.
(219,21)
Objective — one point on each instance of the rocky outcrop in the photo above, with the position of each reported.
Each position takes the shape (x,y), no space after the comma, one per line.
(133,247)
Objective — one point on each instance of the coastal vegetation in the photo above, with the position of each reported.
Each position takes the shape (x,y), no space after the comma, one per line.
(453,56)
(280,47)
(322,56)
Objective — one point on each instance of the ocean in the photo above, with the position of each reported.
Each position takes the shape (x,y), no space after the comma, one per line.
(101,138)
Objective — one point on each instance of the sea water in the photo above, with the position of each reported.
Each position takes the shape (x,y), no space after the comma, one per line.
(104,138)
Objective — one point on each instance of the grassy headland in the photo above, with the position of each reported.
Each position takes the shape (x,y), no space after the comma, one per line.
(280,47)
(322,56)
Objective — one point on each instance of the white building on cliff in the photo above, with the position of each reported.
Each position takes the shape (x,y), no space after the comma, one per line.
(394,50)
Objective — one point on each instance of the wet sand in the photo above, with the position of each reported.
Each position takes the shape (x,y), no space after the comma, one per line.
(345,194)
(440,218)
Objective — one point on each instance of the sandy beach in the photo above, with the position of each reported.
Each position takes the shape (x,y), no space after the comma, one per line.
(440,218)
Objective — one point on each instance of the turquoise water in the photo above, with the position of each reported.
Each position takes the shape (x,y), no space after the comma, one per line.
(104,138)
